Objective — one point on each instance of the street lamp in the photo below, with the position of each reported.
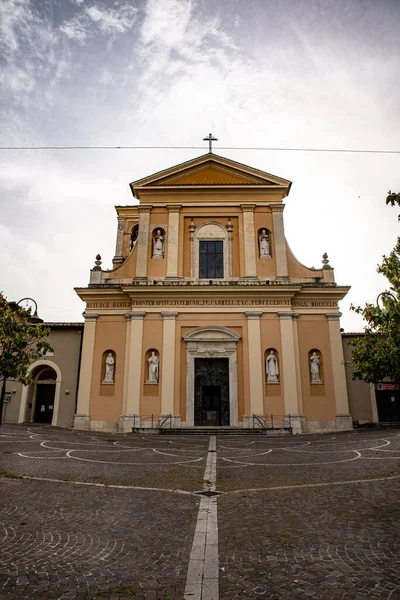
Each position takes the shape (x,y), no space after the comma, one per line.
(382,295)
(30,303)
(34,319)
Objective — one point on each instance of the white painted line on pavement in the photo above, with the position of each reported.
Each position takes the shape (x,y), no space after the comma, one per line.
(202,575)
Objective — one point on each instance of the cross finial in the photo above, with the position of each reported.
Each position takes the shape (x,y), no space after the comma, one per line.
(210,139)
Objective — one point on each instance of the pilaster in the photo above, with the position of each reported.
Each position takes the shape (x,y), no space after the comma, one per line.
(250,270)
(343,417)
(256,376)
(168,363)
(173,241)
(143,241)
(120,238)
(295,317)
(82,416)
(288,369)
(133,371)
(279,242)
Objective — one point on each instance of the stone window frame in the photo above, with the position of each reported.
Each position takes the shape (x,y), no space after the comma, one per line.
(208,237)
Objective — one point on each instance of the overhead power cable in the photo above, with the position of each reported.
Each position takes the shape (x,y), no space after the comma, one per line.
(267,149)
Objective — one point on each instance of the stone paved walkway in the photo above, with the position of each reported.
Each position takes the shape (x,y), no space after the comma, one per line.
(90,516)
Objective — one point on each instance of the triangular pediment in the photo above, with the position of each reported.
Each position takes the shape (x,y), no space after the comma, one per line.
(210,170)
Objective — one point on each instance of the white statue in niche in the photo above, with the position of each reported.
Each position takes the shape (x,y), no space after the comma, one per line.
(314,368)
(153,368)
(263,240)
(271,367)
(158,245)
(110,364)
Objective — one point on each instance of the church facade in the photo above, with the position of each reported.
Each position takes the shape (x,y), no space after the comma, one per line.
(207,318)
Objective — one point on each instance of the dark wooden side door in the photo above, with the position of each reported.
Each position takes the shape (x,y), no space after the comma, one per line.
(388,405)
(44,406)
(211,405)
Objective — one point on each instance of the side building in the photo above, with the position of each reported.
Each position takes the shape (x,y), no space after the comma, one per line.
(207,318)
(51,397)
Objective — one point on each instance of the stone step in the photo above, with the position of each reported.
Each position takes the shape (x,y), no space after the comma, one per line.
(224,431)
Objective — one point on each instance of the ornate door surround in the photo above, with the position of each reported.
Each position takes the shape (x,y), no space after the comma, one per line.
(211,342)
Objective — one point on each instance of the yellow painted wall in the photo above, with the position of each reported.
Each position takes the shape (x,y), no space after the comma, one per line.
(185,323)
(318,400)
(266,267)
(271,338)
(150,401)
(105,399)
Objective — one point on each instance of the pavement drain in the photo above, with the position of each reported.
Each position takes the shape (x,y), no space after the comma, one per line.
(208,493)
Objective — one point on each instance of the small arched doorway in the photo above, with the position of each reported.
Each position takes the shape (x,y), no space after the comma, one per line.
(44,388)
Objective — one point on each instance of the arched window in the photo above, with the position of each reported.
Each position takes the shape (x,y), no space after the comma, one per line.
(134,237)
(211,252)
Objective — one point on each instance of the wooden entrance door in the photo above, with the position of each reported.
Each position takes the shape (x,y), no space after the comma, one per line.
(211,405)
(44,406)
(388,405)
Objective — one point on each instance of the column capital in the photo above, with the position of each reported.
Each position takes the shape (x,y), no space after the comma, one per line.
(174,207)
(247,207)
(277,207)
(143,208)
(333,316)
(134,315)
(286,315)
(169,315)
(253,314)
(90,317)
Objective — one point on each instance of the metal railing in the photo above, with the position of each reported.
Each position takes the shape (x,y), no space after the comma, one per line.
(152,422)
(271,421)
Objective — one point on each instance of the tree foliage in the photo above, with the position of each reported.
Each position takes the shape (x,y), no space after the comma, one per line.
(376,354)
(392,198)
(21,343)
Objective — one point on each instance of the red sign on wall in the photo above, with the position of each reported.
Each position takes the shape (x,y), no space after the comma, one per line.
(386,386)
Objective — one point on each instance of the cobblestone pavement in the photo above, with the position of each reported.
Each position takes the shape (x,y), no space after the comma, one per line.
(110,516)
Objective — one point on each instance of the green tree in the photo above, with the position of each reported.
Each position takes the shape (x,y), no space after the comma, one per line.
(392,198)
(376,354)
(21,343)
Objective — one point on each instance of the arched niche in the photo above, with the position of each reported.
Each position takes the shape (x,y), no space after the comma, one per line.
(316,366)
(158,243)
(108,366)
(211,231)
(264,243)
(211,342)
(272,366)
(152,366)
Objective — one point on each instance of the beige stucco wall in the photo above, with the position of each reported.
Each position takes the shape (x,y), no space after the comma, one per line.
(65,341)
(362,401)
(319,402)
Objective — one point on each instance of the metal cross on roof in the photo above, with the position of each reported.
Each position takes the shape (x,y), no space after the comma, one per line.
(210,139)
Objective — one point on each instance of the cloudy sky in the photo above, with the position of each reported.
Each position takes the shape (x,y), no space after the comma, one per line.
(255,73)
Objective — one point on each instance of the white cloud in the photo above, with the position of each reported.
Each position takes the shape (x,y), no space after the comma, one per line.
(118,20)
(29,48)
(93,20)
(75,30)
